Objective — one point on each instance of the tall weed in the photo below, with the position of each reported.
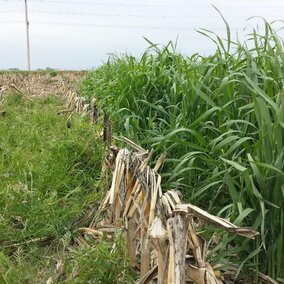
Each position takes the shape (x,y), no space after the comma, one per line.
(220,120)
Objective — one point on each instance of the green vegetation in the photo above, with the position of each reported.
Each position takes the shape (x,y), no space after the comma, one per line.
(220,120)
(49,181)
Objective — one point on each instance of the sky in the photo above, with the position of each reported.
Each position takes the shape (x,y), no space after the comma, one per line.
(76,35)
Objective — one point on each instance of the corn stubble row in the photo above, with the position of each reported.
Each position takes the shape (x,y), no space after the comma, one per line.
(34,84)
(159,228)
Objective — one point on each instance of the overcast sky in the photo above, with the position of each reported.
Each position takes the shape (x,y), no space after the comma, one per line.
(74,34)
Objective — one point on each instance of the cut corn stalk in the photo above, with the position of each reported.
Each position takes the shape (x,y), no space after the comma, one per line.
(160,233)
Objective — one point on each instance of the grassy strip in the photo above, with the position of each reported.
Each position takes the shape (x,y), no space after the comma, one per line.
(49,179)
(220,121)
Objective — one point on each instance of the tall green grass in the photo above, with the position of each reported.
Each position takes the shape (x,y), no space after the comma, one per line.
(220,120)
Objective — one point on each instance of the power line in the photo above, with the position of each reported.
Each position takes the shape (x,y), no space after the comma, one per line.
(119,15)
(116,26)
(11,22)
(111,26)
(231,5)
(143,5)
(108,15)
(100,14)
(121,4)
(108,4)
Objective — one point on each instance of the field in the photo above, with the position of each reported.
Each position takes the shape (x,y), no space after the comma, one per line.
(220,121)
(40,83)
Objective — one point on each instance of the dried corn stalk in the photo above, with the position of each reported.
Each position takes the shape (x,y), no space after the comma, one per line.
(159,228)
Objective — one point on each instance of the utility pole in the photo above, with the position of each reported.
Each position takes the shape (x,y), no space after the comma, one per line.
(28,35)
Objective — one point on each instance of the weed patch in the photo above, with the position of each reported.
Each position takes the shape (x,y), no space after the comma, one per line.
(219,119)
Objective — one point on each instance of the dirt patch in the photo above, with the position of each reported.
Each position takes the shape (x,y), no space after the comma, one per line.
(60,83)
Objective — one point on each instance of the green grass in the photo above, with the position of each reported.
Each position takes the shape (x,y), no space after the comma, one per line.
(50,169)
(49,180)
(220,120)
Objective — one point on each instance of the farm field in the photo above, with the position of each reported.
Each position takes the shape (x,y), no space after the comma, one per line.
(40,83)
(219,120)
